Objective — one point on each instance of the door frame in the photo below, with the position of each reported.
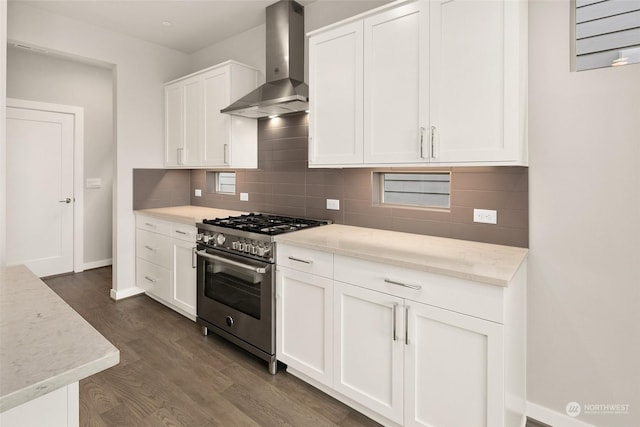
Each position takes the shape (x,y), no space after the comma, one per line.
(78,170)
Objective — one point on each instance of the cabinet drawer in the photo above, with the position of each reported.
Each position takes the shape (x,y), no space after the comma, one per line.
(154,279)
(463,296)
(153,247)
(153,224)
(183,232)
(307,260)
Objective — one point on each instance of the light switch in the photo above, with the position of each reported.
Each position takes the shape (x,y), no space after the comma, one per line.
(198,192)
(93,183)
(244,197)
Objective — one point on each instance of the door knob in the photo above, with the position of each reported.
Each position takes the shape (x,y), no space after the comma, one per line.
(67,200)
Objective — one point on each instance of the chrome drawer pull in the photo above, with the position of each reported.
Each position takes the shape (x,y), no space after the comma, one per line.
(151,279)
(150,248)
(406,325)
(300,260)
(148,224)
(406,285)
(180,232)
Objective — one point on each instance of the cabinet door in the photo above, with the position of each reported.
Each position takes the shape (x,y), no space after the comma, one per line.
(454,367)
(174,125)
(335,98)
(475,84)
(304,323)
(184,276)
(368,349)
(193,111)
(396,85)
(217,84)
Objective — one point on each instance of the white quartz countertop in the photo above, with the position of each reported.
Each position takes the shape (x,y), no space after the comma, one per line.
(44,343)
(480,262)
(188,214)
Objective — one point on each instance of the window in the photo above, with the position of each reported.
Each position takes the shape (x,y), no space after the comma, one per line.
(430,189)
(607,33)
(221,182)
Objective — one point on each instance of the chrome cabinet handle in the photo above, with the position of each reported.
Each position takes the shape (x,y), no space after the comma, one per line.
(148,224)
(432,148)
(67,200)
(406,325)
(422,130)
(194,258)
(180,232)
(225,155)
(406,285)
(393,321)
(151,279)
(151,248)
(204,254)
(300,260)
(180,155)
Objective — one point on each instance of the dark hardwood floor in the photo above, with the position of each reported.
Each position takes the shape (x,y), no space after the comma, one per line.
(171,375)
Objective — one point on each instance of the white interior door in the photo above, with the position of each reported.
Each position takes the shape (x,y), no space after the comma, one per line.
(40,197)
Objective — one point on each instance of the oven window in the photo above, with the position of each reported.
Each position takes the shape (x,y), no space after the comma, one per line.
(233,287)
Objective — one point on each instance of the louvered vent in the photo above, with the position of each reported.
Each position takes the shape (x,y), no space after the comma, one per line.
(607,33)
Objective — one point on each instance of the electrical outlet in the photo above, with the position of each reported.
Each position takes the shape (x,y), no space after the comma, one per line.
(198,192)
(333,204)
(244,197)
(485,216)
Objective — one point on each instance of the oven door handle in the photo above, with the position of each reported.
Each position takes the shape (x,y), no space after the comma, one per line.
(223,260)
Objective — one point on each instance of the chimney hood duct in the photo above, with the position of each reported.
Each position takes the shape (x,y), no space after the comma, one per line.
(285,90)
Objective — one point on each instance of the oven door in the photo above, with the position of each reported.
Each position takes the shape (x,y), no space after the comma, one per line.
(236,294)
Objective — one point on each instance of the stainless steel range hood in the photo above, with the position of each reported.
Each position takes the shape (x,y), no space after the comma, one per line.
(285,90)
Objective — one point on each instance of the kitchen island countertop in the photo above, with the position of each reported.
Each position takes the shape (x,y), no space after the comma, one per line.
(44,343)
(188,214)
(479,262)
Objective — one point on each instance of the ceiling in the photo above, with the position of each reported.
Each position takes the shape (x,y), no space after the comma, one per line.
(193,24)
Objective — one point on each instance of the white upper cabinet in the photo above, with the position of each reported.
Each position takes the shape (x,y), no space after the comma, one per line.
(335,99)
(478,81)
(396,85)
(196,133)
(421,83)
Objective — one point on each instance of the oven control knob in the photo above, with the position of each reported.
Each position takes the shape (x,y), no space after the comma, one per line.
(260,250)
(220,239)
(199,237)
(247,247)
(229,321)
(206,237)
(235,245)
(254,249)
(242,246)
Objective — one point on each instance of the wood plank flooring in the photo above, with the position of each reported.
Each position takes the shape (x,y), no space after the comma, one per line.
(171,375)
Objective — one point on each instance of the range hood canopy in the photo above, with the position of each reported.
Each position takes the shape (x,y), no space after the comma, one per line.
(285,90)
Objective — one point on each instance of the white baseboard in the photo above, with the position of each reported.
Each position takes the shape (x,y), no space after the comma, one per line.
(97,264)
(125,293)
(553,418)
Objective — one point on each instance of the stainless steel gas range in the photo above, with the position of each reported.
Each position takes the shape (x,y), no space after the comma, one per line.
(236,278)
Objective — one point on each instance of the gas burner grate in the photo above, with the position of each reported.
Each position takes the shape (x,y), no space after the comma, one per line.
(265,223)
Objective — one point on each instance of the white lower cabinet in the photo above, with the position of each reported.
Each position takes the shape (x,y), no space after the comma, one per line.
(368,352)
(304,310)
(453,369)
(165,263)
(184,275)
(405,347)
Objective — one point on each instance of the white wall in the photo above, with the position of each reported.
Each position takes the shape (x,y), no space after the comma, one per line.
(249,46)
(584,188)
(141,68)
(3,144)
(56,80)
